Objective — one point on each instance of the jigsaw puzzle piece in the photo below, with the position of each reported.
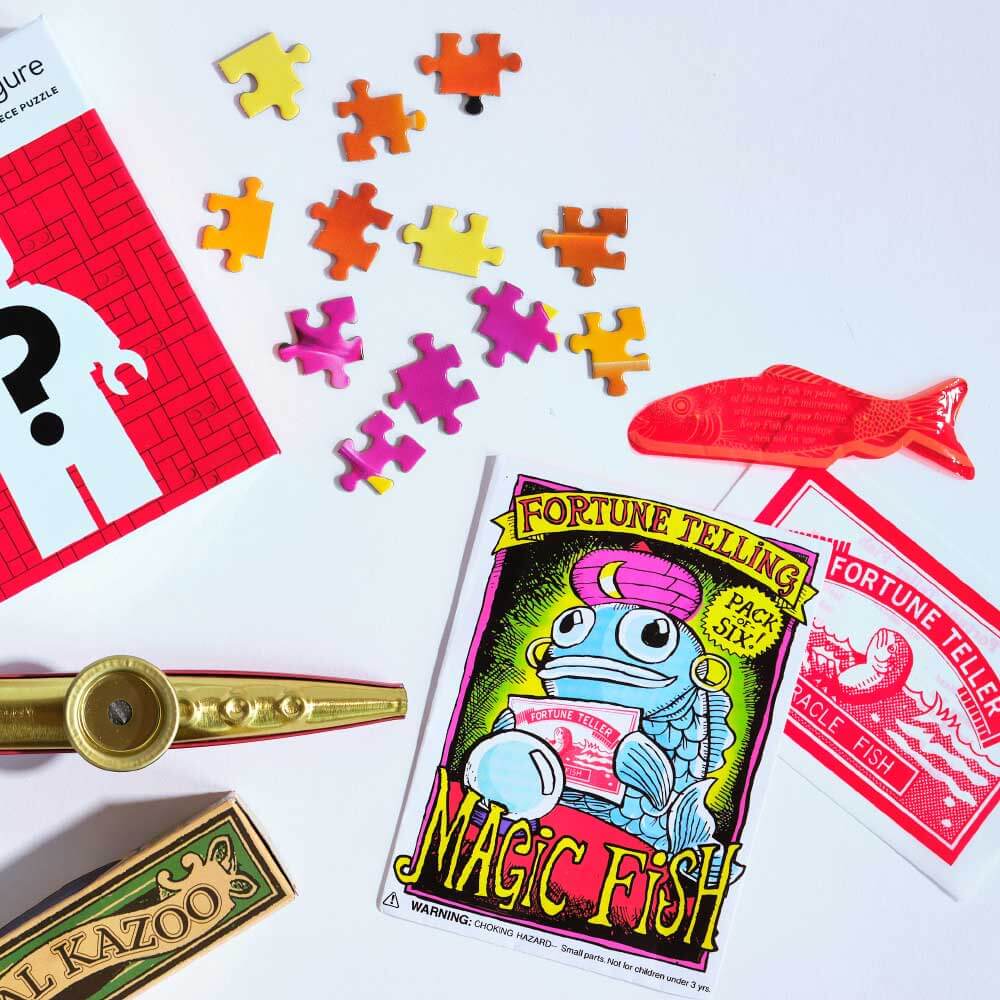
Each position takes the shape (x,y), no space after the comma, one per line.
(369,462)
(475,74)
(444,248)
(378,117)
(324,348)
(343,232)
(273,71)
(586,247)
(247,225)
(424,385)
(510,331)
(609,358)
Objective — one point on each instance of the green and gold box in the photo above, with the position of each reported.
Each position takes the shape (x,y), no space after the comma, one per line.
(144,916)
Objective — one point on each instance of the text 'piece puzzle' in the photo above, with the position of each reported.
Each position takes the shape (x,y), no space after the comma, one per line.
(424,385)
(444,248)
(586,247)
(510,331)
(324,348)
(248,221)
(609,358)
(273,71)
(379,118)
(474,74)
(344,223)
(369,462)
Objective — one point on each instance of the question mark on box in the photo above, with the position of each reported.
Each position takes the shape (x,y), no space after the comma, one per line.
(24,384)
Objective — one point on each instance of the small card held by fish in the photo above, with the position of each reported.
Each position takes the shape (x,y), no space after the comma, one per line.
(789,416)
(585,735)
(896,712)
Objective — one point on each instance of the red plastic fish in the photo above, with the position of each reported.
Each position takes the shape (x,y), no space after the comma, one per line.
(788,416)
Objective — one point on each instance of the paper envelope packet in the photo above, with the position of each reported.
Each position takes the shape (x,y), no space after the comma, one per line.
(138,920)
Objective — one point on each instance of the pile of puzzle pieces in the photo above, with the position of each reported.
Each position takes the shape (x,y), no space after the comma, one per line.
(423,384)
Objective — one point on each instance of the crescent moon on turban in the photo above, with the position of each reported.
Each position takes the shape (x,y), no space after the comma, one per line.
(606,579)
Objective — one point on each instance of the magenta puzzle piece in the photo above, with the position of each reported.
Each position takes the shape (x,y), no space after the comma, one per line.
(511,332)
(368,463)
(323,348)
(425,386)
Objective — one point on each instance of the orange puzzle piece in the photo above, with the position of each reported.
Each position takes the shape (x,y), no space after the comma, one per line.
(380,117)
(586,247)
(248,223)
(473,75)
(609,359)
(342,235)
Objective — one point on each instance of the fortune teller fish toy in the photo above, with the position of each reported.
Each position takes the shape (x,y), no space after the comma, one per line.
(121,713)
(789,416)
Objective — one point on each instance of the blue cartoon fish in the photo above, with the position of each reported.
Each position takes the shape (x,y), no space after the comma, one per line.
(628,644)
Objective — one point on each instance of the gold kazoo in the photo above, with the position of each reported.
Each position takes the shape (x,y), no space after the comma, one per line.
(121,713)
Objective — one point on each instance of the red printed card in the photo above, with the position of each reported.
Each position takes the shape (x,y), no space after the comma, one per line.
(118,402)
(896,712)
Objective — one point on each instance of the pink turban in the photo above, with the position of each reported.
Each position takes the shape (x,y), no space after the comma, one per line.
(632,576)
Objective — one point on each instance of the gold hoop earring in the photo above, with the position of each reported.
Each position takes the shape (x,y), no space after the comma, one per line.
(710,672)
(535,653)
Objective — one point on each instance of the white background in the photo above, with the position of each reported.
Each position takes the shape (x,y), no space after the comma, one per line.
(806,185)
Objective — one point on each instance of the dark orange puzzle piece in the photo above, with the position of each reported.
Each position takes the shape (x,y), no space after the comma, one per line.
(474,74)
(380,118)
(586,247)
(343,232)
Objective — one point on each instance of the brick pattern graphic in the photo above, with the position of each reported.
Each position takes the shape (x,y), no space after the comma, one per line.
(72,218)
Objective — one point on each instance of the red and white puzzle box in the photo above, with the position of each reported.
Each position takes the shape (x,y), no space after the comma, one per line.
(118,402)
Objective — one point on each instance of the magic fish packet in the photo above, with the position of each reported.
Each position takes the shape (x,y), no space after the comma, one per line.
(593,765)
(113,933)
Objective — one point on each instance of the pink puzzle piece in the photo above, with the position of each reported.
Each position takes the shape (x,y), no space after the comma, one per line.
(324,348)
(368,463)
(511,332)
(424,385)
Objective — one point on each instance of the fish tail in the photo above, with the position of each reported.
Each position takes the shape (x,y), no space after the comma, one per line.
(932,426)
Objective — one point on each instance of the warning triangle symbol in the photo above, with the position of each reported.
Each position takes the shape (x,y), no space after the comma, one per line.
(391,900)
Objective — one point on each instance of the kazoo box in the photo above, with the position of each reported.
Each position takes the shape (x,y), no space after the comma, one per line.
(136,921)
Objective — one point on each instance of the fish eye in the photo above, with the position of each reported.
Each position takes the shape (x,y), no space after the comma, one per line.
(648,635)
(681,405)
(573,626)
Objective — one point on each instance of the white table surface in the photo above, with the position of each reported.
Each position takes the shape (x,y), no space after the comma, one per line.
(807,183)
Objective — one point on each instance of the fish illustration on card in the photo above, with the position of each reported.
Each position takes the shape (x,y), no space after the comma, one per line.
(896,711)
(587,788)
(789,416)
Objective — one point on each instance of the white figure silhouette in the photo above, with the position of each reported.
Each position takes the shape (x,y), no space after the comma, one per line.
(82,428)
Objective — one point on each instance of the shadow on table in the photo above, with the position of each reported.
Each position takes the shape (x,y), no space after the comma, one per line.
(484,485)
(88,845)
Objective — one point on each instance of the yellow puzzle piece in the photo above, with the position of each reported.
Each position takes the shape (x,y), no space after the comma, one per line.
(248,221)
(444,248)
(272,69)
(380,484)
(608,357)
